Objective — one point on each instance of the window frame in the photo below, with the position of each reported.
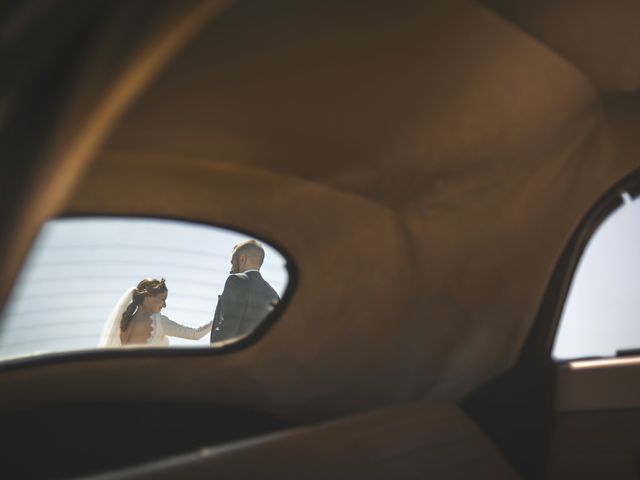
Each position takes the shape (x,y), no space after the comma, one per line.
(549,316)
(155,352)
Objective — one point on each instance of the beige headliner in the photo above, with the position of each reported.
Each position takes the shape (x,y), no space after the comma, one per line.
(424,163)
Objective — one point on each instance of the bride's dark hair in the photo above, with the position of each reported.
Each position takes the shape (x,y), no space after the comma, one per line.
(147,287)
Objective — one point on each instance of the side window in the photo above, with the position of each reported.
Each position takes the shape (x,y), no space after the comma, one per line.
(601,316)
(109,282)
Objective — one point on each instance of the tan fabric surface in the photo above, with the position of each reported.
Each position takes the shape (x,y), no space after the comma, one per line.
(601,38)
(405,442)
(424,163)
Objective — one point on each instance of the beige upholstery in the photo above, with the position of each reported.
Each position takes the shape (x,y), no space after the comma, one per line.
(423,162)
(425,184)
(595,445)
(423,440)
(601,38)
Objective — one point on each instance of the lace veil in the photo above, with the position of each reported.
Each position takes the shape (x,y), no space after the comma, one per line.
(111,331)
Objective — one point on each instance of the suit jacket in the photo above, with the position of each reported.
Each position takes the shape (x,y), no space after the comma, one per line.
(245,301)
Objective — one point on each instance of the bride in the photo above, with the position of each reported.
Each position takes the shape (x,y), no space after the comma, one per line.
(136,319)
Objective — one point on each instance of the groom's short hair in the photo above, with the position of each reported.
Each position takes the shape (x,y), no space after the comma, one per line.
(250,248)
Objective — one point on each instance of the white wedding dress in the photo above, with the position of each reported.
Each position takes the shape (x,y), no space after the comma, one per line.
(162,327)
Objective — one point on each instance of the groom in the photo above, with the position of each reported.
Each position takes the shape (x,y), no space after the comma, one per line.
(247,298)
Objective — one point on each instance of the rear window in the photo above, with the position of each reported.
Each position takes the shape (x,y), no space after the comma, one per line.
(80,269)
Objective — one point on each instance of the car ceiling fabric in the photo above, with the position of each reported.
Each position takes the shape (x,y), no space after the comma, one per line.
(424,163)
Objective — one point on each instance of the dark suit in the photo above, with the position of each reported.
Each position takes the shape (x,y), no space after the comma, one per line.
(245,301)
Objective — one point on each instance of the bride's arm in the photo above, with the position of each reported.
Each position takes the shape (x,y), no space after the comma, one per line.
(174,329)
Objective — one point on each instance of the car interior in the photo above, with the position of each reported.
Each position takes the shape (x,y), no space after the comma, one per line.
(432,170)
